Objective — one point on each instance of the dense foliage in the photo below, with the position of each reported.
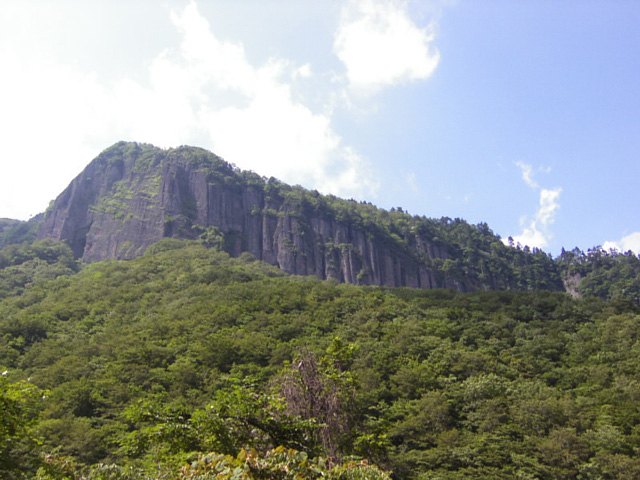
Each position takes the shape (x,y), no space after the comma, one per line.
(24,265)
(142,369)
(604,274)
(15,231)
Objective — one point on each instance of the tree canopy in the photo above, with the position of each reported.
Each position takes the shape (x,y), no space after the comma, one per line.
(187,363)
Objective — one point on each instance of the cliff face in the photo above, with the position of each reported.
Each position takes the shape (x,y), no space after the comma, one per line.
(134,195)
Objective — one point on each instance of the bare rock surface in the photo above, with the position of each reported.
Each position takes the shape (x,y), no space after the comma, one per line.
(133,195)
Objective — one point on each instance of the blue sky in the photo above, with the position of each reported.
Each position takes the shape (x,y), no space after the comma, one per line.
(522,114)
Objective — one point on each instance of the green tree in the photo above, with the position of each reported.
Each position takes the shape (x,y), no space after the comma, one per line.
(20,403)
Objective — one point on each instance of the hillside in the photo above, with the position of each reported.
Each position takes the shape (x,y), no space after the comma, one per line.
(133,195)
(135,368)
(15,231)
(157,328)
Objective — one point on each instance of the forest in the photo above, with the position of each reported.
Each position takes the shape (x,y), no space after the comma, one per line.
(186,363)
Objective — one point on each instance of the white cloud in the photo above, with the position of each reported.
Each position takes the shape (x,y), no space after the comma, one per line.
(51,116)
(536,231)
(303,72)
(205,93)
(626,243)
(268,131)
(380,45)
(527,174)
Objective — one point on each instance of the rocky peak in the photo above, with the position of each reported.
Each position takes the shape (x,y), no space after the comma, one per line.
(133,195)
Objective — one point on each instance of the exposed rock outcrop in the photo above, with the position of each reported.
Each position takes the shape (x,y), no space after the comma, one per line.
(133,195)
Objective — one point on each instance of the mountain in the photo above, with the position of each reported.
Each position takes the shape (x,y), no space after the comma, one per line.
(132,195)
(185,362)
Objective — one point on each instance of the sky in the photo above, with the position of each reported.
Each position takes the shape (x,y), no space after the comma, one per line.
(522,114)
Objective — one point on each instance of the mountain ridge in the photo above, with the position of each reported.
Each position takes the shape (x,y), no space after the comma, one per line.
(133,195)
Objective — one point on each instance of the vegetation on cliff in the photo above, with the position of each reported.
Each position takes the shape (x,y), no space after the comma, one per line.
(132,195)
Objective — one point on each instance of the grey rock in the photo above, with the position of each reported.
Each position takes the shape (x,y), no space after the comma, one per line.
(133,195)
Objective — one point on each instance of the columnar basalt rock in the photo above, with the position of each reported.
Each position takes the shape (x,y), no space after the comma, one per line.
(133,195)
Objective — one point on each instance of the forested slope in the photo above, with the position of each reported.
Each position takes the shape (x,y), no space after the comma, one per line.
(15,231)
(135,368)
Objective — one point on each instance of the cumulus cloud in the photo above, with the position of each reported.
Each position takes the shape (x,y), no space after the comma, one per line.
(536,230)
(267,131)
(626,243)
(204,92)
(380,45)
(207,92)
(46,109)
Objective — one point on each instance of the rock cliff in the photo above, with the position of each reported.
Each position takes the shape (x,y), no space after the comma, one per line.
(133,195)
